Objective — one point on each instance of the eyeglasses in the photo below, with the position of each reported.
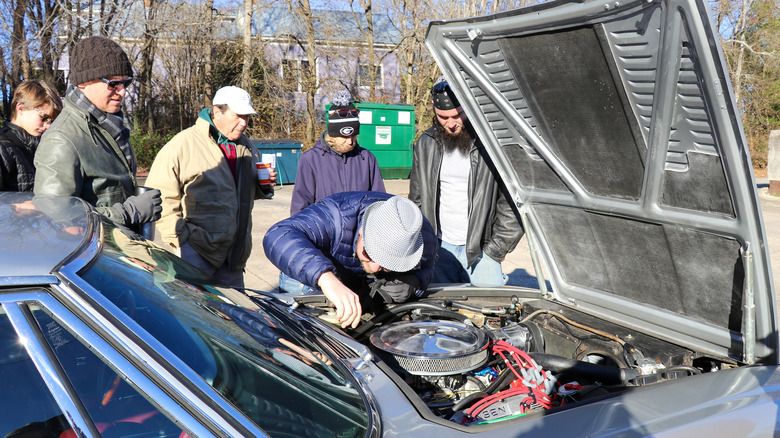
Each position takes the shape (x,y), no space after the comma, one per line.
(440,87)
(113,84)
(347,112)
(45,118)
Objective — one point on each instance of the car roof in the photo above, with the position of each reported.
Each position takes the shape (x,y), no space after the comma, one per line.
(39,233)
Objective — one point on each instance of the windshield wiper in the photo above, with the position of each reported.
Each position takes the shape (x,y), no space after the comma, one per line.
(284,298)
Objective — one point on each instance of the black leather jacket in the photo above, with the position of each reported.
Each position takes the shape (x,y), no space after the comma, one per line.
(76,157)
(17,149)
(493,225)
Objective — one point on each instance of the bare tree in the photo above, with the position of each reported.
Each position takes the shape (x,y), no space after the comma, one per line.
(43,16)
(20,57)
(750,34)
(418,71)
(368,32)
(185,53)
(248,53)
(302,11)
(148,48)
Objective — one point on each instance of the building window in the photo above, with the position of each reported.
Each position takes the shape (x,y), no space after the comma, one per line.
(293,71)
(364,75)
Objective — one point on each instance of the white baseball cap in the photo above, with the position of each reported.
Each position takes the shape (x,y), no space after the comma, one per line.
(236,98)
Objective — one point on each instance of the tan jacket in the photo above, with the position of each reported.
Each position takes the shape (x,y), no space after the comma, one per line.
(202,204)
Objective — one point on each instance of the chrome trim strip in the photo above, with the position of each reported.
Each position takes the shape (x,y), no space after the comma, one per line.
(129,371)
(51,372)
(29,280)
(531,238)
(88,250)
(69,293)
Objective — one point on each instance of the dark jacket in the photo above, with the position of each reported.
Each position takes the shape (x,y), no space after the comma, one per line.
(76,157)
(493,226)
(17,149)
(323,172)
(322,238)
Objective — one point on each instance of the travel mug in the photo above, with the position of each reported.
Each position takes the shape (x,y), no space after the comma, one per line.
(146,229)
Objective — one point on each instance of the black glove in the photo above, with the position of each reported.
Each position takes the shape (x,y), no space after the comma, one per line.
(395,287)
(142,208)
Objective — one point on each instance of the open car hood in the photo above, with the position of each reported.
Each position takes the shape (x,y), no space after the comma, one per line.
(614,127)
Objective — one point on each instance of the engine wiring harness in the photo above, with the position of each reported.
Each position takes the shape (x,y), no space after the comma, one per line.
(533,388)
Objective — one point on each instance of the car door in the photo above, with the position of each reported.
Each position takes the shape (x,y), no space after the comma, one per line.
(61,377)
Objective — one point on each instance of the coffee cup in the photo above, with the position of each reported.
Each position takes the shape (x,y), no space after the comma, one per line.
(263,173)
(145,229)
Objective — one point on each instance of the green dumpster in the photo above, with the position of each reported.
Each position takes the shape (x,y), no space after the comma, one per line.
(284,154)
(388,132)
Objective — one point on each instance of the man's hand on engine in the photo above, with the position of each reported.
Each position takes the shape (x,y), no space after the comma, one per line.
(348,309)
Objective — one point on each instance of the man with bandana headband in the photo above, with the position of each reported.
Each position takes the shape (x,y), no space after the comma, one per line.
(454,183)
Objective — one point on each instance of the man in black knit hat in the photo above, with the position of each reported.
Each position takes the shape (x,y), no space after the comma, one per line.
(86,152)
(336,163)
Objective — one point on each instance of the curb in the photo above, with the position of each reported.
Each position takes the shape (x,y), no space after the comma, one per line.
(763,194)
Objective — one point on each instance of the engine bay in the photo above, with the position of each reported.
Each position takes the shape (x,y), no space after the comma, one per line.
(481,360)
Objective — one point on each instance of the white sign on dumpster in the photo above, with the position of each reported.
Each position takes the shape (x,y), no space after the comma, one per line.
(269,158)
(366,117)
(384,135)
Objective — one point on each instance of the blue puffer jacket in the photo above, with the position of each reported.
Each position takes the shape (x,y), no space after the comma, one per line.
(322,238)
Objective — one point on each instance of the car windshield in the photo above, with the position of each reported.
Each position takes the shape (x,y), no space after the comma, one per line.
(257,358)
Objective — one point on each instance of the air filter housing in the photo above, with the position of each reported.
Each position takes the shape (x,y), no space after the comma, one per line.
(427,348)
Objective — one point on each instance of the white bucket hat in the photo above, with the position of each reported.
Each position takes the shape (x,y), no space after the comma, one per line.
(392,234)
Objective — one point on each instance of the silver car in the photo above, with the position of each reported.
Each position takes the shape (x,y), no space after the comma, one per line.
(614,128)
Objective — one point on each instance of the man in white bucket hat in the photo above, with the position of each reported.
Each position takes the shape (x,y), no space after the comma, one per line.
(340,242)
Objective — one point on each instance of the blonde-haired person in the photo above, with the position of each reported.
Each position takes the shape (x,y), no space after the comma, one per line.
(35,104)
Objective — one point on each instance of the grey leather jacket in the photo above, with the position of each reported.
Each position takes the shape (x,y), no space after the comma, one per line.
(76,157)
(493,225)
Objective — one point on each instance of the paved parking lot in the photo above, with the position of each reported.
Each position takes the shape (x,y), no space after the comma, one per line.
(261,274)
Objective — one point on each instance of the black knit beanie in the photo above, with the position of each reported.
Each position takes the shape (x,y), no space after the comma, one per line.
(343,120)
(98,57)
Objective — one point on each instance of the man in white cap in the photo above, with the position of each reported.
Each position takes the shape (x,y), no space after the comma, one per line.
(338,242)
(208,181)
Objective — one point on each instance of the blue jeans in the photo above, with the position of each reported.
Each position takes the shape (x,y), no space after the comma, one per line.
(451,268)
(294,287)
